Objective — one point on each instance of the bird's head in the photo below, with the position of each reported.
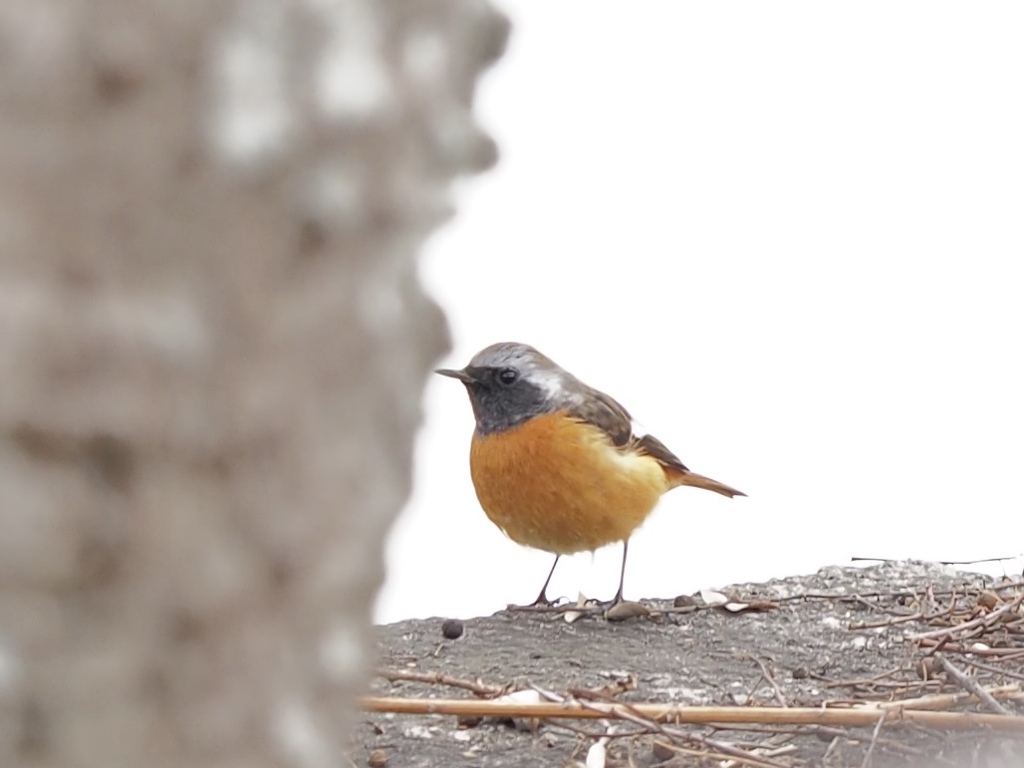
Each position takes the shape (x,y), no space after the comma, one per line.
(509,383)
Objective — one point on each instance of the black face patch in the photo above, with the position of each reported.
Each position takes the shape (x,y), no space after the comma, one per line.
(502,401)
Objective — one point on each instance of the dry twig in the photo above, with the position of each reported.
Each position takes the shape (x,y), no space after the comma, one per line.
(994,669)
(863,715)
(981,621)
(629,713)
(767,676)
(871,746)
(432,678)
(972,685)
(725,757)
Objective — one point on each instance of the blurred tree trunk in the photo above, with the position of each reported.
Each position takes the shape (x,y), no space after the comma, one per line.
(212,350)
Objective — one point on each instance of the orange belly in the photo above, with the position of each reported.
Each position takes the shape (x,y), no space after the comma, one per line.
(559,484)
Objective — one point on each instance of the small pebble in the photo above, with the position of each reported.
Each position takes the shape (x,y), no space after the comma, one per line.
(662,752)
(801,673)
(684,601)
(377,759)
(626,610)
(988,599)
(452,629)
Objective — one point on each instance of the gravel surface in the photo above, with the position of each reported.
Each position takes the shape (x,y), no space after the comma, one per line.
(841,636)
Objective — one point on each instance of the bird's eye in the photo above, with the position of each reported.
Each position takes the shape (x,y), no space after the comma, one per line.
(508,376)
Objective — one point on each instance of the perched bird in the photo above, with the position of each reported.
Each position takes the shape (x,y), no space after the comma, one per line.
(558,465)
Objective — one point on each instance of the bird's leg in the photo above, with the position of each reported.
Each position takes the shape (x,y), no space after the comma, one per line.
(542,598)
(622,573)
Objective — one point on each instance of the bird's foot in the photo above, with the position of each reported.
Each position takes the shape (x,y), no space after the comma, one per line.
(541,603)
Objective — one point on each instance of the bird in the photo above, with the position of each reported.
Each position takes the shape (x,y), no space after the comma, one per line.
(558,465)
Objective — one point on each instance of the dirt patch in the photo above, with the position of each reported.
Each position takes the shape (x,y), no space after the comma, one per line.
(839,638)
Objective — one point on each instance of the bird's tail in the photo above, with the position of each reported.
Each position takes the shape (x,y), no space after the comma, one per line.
(677,478)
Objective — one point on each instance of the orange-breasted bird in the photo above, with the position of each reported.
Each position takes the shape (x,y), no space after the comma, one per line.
(558,465)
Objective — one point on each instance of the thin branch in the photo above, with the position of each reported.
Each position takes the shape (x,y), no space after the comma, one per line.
(994,669)
(980,621)
(480,689)
(745,759)
(768,677)
(903,619)
(863,681)
(874,740)
(983,560)
(978,649)
(939,562)
(630,714)
(863,715)
(941,701)
(972,685)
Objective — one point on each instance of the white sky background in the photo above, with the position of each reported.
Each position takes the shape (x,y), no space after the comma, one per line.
(788,237)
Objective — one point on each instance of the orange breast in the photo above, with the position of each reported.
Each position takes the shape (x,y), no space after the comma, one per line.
(559,484)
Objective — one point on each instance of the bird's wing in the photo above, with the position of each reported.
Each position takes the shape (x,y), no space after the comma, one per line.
(656,449)
(605,413)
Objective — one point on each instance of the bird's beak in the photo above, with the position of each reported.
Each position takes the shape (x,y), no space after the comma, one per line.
(462,375)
